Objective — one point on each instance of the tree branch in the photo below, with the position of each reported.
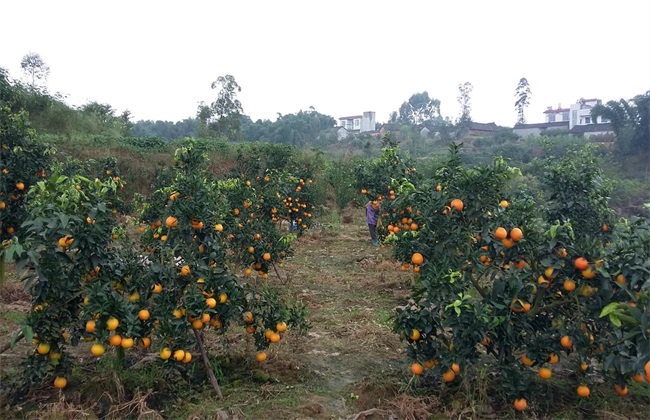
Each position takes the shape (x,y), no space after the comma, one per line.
(208,366)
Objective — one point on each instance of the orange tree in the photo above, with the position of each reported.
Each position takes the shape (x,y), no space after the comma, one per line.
(189,279)
(23,162)
(503,277)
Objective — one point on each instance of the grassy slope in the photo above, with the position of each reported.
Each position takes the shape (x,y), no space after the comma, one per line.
(349,362)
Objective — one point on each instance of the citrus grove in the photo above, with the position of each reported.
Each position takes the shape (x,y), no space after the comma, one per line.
(168,283)
(517,282)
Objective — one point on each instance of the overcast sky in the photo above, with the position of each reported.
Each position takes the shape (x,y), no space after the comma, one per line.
(158,58)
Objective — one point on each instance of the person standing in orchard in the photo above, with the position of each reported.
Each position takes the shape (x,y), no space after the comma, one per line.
(372,214)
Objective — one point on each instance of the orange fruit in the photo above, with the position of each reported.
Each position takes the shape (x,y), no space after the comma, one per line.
(275,337)
(143,315)
(157,288)
(60,382)
(455,367)
(171,222)
(248,317)
(583,391)
(223,297)
(165,353)
(115,340)
(508,243)
(621,390)
(43,348)
(647,371)
(417,369)
(566,342)
(553,358)
(457,204)
(261,356)
(266,256)
(187,358)
(179,355)
(281,327)
(417,258)
(521,404)
(97,349)
(429,364)
(569,285)
(20,186)
(211,302)
(112,324)
(545,373)
(516,234)
(90,326)
(589,273)
(526,360)
(185,270)
(197,324)
(219,227)
(581,263)
(637,377)
(620,279)
(449,376)
(415,335)
(144,342)
(500,233)
(127,343)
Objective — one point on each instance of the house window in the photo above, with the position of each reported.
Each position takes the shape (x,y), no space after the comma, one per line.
(357,123)
(565,116)
(551,117)
(587,120)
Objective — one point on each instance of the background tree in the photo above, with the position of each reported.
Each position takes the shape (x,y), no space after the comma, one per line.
(630,121)
(420,108)
(464,92)
(36,71)
(522,94)
(223,115)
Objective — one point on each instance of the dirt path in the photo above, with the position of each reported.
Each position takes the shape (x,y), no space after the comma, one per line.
(350,360)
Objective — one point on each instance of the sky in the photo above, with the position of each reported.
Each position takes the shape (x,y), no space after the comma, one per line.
(343,57)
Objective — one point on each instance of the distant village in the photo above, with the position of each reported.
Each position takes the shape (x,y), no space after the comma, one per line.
(575,120)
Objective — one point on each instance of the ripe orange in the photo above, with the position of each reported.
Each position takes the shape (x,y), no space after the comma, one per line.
(157,288)
(205,318)
(553,358)
(417,369)
(583,391)
(2,205)
(275,337)
(621,390)
(171,222)
(581,263)
(521,404)
(647,371)
(526,360)
(417,258)
(185,270)
(219,227)
(43,348)
(281,327)
(90,326)
(165,353)
(60,382)
(516,234)
(127,343)
(455,367)
(589,273)
(266,256)
(457,204)
(97,349)
(415,335)
(20,186)
(500,233)
(508,243)
(429,364)
(261,356)
(115,340)
(187,358)
(211,302)
(545,373)
(112,324)
(620,279)
(66,241)
(197,324)
(637,377)
(569,285)
(449,376)
(248,317)
(144,342)
(143,315)
(223,297)
(179,355)
(566,342)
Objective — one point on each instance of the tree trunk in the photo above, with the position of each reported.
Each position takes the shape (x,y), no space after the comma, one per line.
(208,366)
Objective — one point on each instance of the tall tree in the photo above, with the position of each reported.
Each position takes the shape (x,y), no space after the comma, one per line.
(522,95)
(464,92)
(36,71)
(630,121)
(418,109)
(223,115)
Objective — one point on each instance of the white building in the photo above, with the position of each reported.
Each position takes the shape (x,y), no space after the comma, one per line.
(357,124)
(580,113)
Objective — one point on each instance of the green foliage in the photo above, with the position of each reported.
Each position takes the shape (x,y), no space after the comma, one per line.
(304,128)
(630,121)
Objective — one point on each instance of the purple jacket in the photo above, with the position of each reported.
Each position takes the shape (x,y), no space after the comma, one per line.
(372,214)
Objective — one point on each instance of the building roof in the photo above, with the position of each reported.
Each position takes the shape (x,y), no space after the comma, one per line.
(558,124)
(555,111)
(483,126)
(391,126)
(591,128)
(351,118)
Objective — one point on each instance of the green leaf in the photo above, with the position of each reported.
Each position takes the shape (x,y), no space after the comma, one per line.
(28,332)
(609,309)
(614,319)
